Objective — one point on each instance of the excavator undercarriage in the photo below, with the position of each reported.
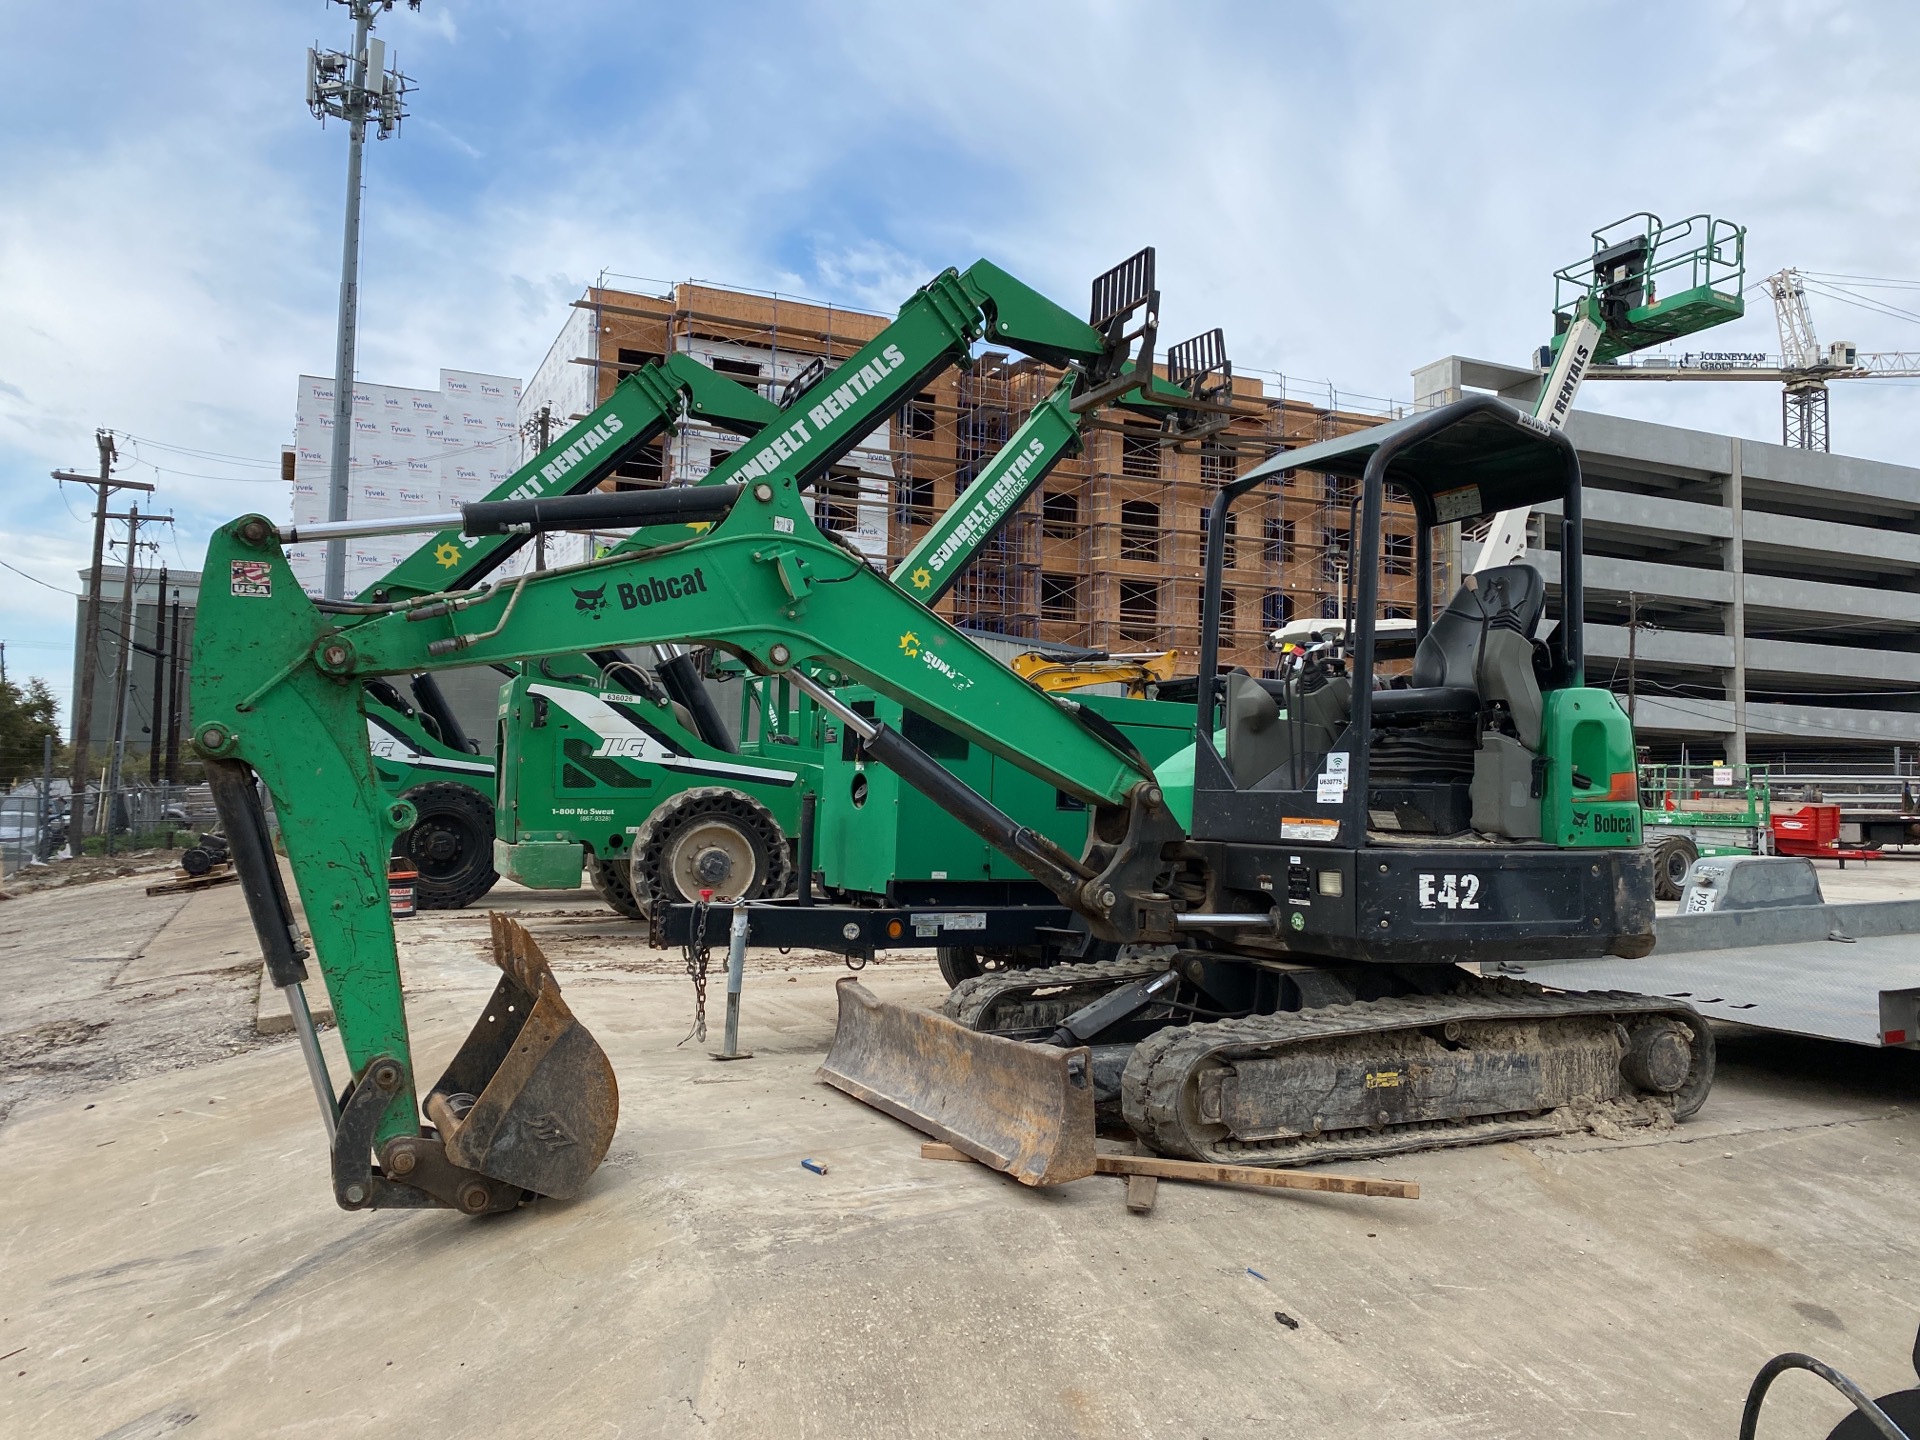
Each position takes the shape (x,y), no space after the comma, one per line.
(1212,1058)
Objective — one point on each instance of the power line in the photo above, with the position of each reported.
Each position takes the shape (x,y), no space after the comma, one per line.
(139,440)
(70,594)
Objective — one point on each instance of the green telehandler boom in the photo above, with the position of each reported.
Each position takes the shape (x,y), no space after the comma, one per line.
(595,773)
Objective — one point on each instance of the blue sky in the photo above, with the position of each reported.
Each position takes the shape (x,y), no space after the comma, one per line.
(1351,190)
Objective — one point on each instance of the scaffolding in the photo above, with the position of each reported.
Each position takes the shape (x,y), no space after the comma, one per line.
(1108,556)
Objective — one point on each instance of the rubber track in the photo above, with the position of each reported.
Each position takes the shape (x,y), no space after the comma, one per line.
(970,1000)
(1164,1064)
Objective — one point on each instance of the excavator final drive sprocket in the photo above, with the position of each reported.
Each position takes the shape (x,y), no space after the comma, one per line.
(1479,1060)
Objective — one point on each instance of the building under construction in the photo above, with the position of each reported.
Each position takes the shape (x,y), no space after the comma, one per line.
(1109,556)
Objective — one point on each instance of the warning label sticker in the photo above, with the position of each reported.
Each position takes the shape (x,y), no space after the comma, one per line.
(1306,827)
(252,578)
(1461,504)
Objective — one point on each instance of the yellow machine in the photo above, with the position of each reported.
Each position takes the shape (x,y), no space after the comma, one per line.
(1135,671)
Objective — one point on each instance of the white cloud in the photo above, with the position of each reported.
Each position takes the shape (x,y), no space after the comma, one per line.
(1350,192)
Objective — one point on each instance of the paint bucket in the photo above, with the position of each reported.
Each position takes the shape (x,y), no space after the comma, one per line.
(400,883)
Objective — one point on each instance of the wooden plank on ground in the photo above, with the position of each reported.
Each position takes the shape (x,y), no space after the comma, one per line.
(1160,1168)
(185,882)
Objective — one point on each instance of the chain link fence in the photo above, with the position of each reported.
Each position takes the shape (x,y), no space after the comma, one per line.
(36,826)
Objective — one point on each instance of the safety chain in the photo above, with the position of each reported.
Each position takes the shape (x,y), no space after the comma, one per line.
(697,951)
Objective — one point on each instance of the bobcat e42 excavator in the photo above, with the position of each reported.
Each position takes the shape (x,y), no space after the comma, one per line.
(1353,844)
(1303,997)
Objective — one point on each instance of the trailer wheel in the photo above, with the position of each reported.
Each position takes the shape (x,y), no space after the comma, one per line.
(958,962)
(1672,858)
(713,839)
(609,881)
(963,962)
(451,845)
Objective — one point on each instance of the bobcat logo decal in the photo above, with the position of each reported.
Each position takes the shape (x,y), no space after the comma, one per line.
(591,601)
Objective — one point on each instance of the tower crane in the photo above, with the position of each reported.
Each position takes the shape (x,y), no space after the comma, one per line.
(1803,369)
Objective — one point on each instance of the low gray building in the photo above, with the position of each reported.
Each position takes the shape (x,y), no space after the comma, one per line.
(1763,602)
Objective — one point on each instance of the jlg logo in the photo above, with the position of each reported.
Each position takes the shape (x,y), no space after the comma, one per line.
(628,747)
(1449,892)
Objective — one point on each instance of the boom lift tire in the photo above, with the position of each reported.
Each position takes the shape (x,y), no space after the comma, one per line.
(1672,858)
(451,845)
(964,962)
(609,881)
(710,838)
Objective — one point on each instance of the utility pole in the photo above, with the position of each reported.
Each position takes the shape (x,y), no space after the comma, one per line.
(122,684)
(176,664)
(337,86)
(158,650)
(1633,651)
(89,659)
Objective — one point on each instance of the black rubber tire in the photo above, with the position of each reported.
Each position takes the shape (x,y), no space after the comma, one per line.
(1672,857)
(708,805)
(450,844)
(957,963)
(609,881)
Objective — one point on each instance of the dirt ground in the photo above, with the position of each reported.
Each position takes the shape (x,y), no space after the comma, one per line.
(174,1263)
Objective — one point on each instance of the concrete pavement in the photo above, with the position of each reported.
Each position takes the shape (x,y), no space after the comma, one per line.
(173,1262)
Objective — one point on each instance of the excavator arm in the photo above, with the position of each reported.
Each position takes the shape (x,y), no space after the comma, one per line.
(528,1104)
(279,687)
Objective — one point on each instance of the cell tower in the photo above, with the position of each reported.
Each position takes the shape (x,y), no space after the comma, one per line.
(356,87)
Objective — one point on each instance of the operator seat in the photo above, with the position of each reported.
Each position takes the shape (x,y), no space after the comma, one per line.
(1459,749)
(1460,658)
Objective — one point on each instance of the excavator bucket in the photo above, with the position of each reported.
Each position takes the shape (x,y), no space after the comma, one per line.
(1024,1109)
(530,1099)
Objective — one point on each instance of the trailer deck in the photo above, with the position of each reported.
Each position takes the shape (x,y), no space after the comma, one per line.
(1846,972)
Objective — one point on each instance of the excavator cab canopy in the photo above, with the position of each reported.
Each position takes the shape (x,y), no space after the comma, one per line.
(1470,459)
(1463,462)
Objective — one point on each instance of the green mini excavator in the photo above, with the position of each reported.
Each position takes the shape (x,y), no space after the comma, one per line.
(1300,995)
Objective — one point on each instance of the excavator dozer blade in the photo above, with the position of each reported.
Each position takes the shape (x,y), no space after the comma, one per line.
(1024,1109)
(530,1099)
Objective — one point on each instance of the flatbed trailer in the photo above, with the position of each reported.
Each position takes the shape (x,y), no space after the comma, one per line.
(1848,972)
